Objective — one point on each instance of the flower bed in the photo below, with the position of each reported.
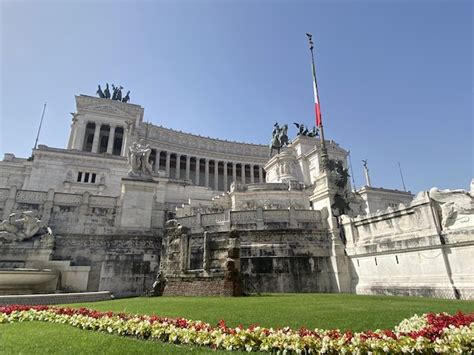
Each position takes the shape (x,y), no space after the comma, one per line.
(429,333)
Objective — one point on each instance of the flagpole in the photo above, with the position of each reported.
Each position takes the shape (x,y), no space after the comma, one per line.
(39,128)
(324,152)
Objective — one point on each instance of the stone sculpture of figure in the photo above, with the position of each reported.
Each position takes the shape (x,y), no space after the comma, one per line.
(314,132)
(146,165)
(114,92)
(119,94)
(453,205)
(9,228)
(127,97)
(100,93)
(107,91)
(17,229)
(301,129)
(283,136)
(29,225)
(276,129)
(138,159)
(279,138)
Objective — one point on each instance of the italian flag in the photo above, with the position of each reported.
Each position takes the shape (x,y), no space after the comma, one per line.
(317,108)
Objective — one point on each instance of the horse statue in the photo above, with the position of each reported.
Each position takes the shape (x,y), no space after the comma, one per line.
(279,139)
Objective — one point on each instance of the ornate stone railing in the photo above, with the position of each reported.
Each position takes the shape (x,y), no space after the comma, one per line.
(254,220)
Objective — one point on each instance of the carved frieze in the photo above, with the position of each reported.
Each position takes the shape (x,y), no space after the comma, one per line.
(30,196)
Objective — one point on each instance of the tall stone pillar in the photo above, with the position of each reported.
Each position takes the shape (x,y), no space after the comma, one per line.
(198,168)
(260,173)
(137,198)
(79,136)
(178,166)
(225,176)
(156,165)
(72,135)
(206,173)
(323,199)
(234,172)
(252,177)
(95,142)
(168,162)
(216,175)
(110,143)
(188,167)
(242,172)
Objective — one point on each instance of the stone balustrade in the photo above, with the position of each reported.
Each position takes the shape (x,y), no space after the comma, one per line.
(256,219)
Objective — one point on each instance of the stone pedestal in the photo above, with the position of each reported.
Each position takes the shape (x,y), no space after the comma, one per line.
(137,203)
(323,199)
(284,167)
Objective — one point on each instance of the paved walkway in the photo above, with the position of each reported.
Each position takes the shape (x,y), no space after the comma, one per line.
(56,298)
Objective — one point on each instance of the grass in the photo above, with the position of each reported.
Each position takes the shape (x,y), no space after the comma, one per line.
(295,310)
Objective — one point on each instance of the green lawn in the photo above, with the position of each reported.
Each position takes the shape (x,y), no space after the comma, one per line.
(295,310)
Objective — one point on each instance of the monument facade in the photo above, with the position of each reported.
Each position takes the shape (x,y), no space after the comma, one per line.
(137,208)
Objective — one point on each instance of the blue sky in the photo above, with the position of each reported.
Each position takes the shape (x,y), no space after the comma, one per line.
(395,77)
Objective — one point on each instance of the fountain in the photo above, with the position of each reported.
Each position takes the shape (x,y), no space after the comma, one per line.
(26,246)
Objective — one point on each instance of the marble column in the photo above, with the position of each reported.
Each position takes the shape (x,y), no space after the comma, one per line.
(95,142)
(242,172)
(156,166)
(252,177)
(79,136)
(110,143)
(178,166)
(206,173)
(260,173)
(216,175)
(225,176)
(168,162)
(198,168)
(234,172)
(188,167)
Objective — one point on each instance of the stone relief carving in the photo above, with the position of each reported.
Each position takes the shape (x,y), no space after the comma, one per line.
(453,206)
(30,196)
(20,227)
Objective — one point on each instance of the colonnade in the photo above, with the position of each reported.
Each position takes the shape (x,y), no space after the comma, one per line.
(103,138)
(212,173)
(201,171)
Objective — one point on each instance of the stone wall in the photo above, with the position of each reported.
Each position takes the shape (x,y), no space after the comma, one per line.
(123,264)
(280,250)
(286,260)
(200,264)
(91,251)
(424,248)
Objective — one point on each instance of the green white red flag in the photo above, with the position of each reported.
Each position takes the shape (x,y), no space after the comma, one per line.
(317,107)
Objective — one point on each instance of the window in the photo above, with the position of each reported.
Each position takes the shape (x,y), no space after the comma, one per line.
(86,177)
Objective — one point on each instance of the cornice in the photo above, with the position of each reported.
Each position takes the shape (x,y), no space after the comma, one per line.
(214,145)
(108,107)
